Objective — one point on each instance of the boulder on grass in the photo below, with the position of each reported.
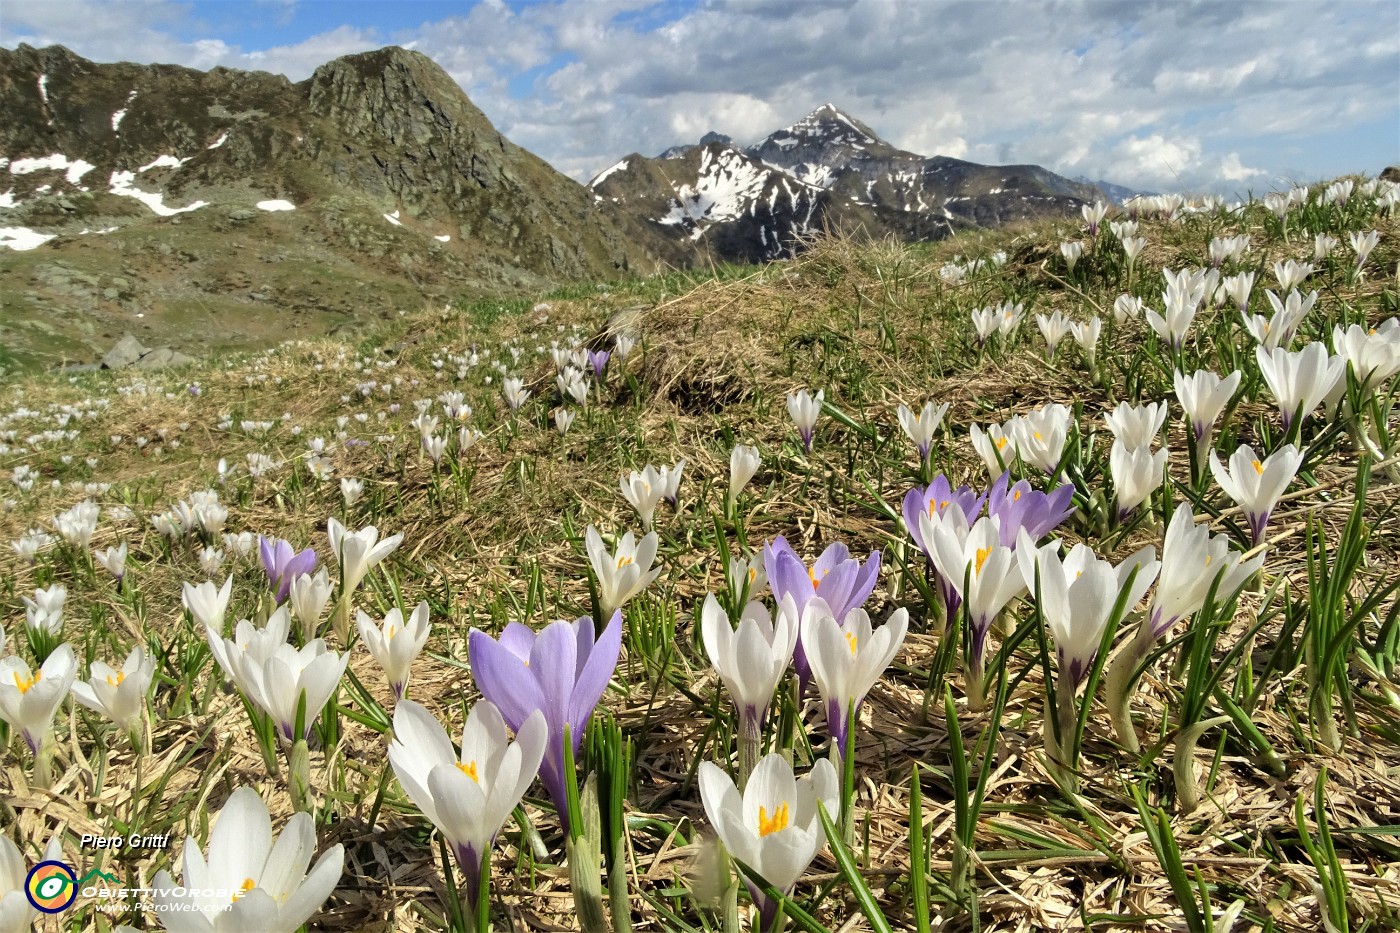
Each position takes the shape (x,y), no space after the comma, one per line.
(126,351)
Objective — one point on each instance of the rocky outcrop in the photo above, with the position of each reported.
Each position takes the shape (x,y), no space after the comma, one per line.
(129,352)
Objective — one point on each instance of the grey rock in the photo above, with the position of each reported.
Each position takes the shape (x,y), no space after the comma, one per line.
(159,359)
(126,351)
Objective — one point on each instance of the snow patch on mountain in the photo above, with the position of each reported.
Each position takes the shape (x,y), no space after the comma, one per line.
(619,167)
(120,115)
(276,205)
(121,185)
(163,161)
(723,187)
(22,238)
(52,163)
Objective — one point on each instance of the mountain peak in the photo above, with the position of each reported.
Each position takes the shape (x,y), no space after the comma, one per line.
(831,122)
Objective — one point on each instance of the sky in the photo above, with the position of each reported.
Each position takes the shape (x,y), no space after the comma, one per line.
(1163,95)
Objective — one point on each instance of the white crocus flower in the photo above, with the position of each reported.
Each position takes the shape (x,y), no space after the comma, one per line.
(278,683)
(113,560)
(44,613)
(1137,473)
(624,574)
(120,695)
(269,888)
(983,573)
(515,392)
(29,700)
(1256,485)
(395,643)
(743,464)
(773,827)
(1127,307)
(1373,355)
(669,478)
(995,446)
(307,598)
(357,552)
(1071,250)
(1192,559)
(643,491)
(1362,244)
(847,659)
(1133,247)
(351,490)
(1300,381)
(1323,246)
(1053,328)
(1238,288)
(746,576)
(1086,334)
(1137,425)
(563,420)
(1077,596)
(921,429)
(249,645)
(985,323)
(1203,397)
(1288,314)
(76,525)
(804,410)
(1041,434)
(208,603)
(1290,273)
(469,795)
(751,659)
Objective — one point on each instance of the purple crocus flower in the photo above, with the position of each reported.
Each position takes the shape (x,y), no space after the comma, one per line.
(1020,506)
(836,577)
(598,359)
(283,564)
(561,671)
(934,499)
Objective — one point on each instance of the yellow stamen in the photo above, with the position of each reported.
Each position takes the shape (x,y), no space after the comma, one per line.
(623,561)
(982,554)
(469,769)
(1017,496)
(812,574)
(393,630)
(1001,443)
(779,820)
(1258,468)
(851,640)
(24,684)
(116,680)
(248,885)
(753,574)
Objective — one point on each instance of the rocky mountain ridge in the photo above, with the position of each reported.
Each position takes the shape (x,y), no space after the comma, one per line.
(207,208)
(827,170)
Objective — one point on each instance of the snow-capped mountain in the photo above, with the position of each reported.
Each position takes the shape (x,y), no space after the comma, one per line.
(827,170)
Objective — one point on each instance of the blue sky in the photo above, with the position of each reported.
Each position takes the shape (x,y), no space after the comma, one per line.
(1155,94)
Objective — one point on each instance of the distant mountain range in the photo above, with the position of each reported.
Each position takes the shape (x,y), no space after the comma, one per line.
(228,208)
(826,171)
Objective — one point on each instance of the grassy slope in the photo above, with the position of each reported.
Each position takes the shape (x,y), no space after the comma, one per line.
(873,326)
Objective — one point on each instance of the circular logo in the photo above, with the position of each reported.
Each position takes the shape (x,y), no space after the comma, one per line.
(51,886)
